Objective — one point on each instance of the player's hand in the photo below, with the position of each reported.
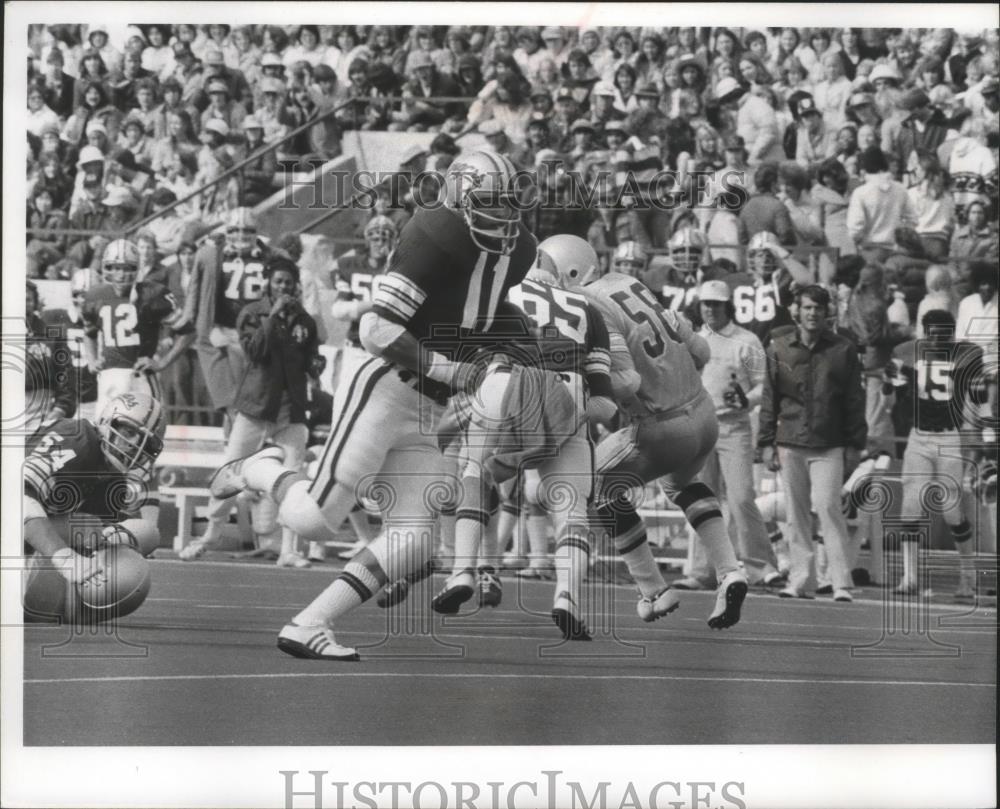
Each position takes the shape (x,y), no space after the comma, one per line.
(769,457)
(852,457)
(76,568)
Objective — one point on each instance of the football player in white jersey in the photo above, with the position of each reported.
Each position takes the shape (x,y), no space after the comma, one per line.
(452,268)
(656,358)
(534,431)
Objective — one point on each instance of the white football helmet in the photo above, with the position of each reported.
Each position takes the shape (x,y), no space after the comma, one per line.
(241,229)
(120,265)
(481,187)
(132,427)
(761,260)
(629,259)
(573,260)
(687,250)
(380,236)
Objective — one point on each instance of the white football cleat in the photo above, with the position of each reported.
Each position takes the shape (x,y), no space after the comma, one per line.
(650,608)
(229,481)
(729,600)
(313,643)
(842,595)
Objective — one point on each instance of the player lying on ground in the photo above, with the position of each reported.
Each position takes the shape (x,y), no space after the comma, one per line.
(83,484)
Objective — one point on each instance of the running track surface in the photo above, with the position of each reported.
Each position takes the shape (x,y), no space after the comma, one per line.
(200,658)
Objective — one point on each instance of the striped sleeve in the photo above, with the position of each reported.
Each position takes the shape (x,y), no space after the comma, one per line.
(398,298)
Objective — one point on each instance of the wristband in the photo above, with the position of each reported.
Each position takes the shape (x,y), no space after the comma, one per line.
(441,369)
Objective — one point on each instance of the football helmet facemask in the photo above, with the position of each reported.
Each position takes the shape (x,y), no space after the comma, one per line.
(480,186)
(120,265)
(761,260)
(132,427)
(687,249)
(241,229)
(629,259)
(380,236)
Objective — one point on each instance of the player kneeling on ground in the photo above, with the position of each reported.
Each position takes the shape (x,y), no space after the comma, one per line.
(83,484)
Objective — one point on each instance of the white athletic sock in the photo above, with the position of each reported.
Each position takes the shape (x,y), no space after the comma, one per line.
(572,561)
(537,526)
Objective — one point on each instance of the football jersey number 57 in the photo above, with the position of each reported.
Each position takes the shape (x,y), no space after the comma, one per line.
(642,308)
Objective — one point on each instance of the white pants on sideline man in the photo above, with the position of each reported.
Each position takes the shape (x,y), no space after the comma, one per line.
(812,480)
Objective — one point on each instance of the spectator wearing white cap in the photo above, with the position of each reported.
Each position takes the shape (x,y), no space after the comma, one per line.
(100,41)
(756,121)
(734,378)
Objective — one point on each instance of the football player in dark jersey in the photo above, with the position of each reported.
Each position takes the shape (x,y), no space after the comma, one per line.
(762,294)
(223,281)
(83,486)
(453,266)
(123,320)
(675,281)
(941,375)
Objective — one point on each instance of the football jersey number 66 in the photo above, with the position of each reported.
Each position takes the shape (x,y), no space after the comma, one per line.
(754,303)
